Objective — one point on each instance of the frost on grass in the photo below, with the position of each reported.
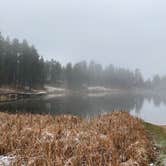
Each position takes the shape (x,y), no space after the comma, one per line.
(6,160)
(115,139)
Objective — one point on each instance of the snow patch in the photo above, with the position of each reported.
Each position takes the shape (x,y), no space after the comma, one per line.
(6,160)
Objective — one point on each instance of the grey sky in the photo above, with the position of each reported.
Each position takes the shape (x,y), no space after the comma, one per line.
(127,33)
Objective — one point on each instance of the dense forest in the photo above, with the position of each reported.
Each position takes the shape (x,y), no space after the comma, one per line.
(21,66)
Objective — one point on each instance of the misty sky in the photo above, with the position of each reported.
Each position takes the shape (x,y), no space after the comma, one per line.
(126,33)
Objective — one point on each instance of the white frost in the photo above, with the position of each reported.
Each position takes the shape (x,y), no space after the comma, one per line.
(6,160)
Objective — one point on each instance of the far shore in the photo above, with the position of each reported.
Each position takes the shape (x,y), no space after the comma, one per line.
(8,94)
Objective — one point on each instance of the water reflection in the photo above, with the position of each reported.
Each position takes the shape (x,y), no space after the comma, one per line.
(84,105)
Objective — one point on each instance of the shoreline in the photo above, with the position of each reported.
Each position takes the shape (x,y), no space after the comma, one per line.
(9,95)
(158,135)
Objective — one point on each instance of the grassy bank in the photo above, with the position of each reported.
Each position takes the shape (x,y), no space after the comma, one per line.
(115,139)
(158,133)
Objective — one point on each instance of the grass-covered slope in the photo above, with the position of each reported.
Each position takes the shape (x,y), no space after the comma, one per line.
(158,134)
(115,139)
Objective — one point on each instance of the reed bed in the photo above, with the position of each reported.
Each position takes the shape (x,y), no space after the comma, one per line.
(115,139)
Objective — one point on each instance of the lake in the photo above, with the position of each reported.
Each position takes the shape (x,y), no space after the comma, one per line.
(150,108)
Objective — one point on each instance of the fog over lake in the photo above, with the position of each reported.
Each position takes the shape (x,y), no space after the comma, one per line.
(149,108)
(129,33)
(82,82)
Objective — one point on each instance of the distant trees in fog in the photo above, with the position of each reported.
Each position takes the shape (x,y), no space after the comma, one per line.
(159,83)
(83,74)
(93,74)
(21,65)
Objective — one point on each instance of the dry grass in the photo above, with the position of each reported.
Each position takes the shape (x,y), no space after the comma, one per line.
(115,139)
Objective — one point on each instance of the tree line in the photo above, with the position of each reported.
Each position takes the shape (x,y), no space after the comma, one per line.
(83,74)
(21,66)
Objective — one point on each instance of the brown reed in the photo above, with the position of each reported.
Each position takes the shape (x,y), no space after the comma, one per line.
(115,139)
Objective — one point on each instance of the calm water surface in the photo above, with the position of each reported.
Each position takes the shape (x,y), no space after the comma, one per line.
(150,108)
